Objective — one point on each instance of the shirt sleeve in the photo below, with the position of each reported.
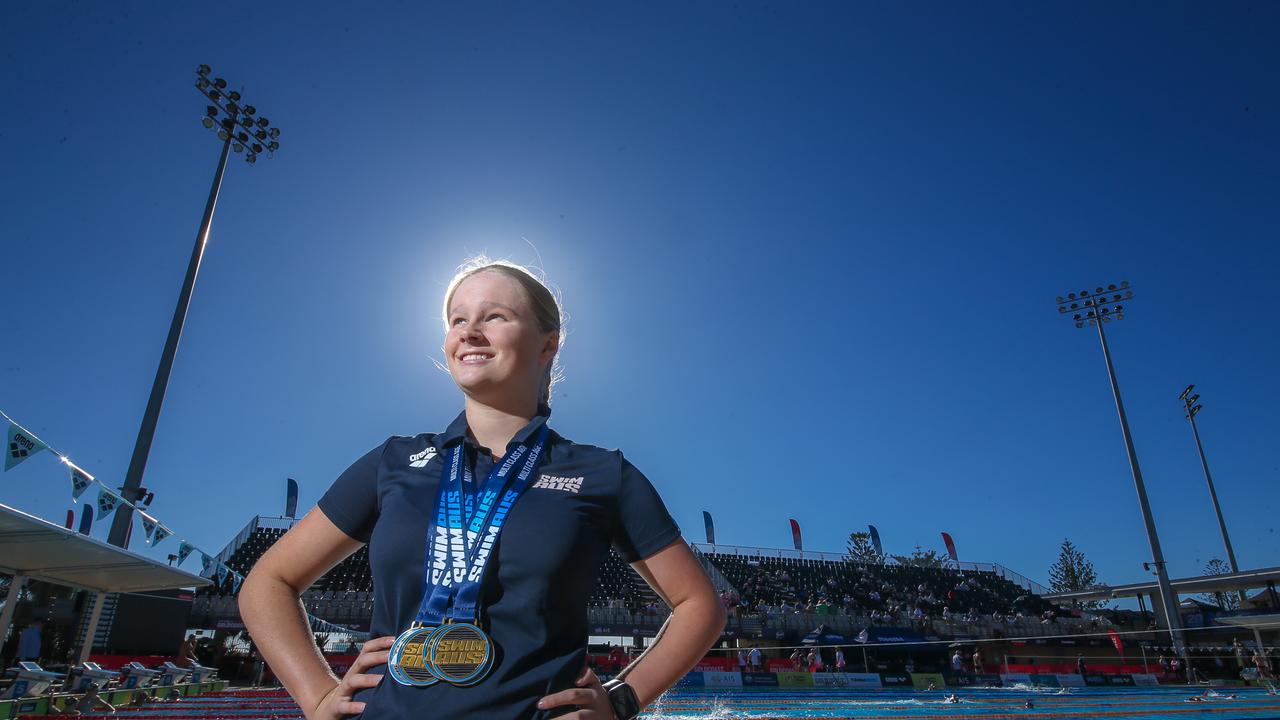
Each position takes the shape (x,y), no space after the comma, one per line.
(351,502)
(642,526)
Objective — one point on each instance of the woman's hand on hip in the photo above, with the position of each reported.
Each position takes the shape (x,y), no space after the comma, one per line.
(338,702)
(589,698)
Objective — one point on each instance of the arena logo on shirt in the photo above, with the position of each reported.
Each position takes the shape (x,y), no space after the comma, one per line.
(550,482)
(421,459)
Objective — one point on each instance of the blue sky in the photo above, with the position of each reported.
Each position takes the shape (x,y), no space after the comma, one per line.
(809,253)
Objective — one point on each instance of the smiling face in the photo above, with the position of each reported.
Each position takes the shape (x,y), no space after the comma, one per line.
(496,350)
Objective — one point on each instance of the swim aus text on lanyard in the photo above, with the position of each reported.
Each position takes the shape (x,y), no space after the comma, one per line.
(445,641)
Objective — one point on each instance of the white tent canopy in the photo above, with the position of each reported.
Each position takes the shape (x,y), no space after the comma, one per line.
(38,549)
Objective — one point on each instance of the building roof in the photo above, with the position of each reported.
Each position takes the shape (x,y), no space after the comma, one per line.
(1242,580)
(51,553)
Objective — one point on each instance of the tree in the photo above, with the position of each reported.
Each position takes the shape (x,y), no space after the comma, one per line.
(1229,601)
(862,551)
(924,558)
(1073,572)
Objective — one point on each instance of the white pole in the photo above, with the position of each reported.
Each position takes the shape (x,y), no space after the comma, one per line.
(11,602)
(91,630)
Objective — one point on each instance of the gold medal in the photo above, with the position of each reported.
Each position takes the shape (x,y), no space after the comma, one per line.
(407,661)
(459,653)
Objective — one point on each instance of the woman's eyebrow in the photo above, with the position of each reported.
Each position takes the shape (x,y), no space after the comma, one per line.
(486,305)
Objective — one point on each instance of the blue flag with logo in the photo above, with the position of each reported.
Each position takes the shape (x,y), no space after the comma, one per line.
(184,549)
(148,525)
(711,527)
(875,540)
(207,570)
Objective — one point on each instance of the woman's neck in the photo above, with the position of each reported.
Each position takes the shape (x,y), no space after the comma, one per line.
(493,426)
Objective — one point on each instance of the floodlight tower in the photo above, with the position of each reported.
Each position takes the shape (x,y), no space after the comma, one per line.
(241,129)
(1096,309)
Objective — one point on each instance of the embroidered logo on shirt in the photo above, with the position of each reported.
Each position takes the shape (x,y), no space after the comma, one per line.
(550,482)
(421,459)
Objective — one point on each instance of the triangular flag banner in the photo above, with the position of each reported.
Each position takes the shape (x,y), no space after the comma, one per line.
(107,501)
(184,549)
(207,561)
(21,446)
(80,481)
(160,534)
(235,582)
(222,574)
(148,526)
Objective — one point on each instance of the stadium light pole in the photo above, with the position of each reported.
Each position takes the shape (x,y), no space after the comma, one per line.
(1191,404)
(1096,309)
(240,128)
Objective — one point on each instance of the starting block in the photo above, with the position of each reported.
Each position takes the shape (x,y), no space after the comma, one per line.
(171,674)
(85,676)
(202,674)
(30,680)
(136,675)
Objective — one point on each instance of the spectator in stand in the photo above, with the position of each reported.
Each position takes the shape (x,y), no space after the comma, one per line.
(1080,669)
(797,660)
(29,641)
(814,661)
(742,660)
(187,653)
(840,660)
(957,663)
(977,661)
(1238,649)
(757,659)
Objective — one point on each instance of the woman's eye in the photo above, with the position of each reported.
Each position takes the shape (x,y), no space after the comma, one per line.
(457,321)
(495,316)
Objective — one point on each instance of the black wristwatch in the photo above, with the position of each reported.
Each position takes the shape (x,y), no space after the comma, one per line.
(623,699)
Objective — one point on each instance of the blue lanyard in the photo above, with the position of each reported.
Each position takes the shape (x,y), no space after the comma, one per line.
(465,528)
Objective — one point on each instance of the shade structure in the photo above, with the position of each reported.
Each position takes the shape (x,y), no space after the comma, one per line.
(51,553)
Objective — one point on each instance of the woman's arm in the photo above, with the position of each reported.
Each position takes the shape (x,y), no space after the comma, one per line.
(273,612)
(697,620)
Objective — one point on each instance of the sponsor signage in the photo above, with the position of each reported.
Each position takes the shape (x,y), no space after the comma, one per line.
(720,678)
(1011,679)
(847,680)
(1126,680)
(690,679)
(1070,680)
(1044,680)
(1095,680)
(760,679)
(895,680)
(1144,679)
(976,680)
(922,681)
(794,679)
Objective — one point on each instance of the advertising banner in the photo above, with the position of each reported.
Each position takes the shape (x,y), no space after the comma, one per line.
(1011,679)
(1126,680)
(713,678)
(922,681)
(690,679)
(895,680)
(846,680)
(795,679)
(1044,680)
(760,679)
(1069,680)
(863,680)
(1095,680)
(1144,679)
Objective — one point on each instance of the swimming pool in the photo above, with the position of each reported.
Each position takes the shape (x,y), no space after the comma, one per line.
(1148,703)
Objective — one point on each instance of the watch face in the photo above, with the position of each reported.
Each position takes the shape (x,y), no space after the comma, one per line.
(624,701)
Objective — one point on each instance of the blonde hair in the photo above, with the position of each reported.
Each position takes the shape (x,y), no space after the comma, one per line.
(545,306)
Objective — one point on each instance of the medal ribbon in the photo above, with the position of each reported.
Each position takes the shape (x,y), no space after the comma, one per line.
(465,529)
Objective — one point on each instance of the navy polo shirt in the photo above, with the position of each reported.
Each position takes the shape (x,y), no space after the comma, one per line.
(534,593)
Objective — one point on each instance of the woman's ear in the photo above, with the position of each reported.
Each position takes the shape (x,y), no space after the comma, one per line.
(550,347)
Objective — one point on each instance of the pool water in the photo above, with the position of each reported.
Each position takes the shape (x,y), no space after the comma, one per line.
(1148,703)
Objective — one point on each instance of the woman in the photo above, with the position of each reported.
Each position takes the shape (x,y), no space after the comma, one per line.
(498,610)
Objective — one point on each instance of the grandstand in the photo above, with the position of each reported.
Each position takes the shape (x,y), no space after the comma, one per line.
(773,594)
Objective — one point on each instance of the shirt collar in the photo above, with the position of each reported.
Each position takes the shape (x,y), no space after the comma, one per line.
(457,430)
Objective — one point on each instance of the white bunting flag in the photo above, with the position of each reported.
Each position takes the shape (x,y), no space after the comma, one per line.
(107,502)
(148,525)
(22,445)
(80,481)
(160,534)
